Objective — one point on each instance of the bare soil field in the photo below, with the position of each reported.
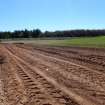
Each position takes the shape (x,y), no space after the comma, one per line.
(44,75)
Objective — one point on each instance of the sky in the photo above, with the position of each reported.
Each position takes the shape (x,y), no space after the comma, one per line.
(52,15)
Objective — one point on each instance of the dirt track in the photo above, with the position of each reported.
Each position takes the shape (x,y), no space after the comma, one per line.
(34,75)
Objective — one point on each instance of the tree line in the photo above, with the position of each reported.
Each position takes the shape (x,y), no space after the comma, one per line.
(37,33)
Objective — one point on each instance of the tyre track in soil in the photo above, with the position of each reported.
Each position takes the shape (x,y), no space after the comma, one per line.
(86,58)
(60,97)
(48,94)
(75,96)
(91,57)
(14,93)
(94,85)
(2,94)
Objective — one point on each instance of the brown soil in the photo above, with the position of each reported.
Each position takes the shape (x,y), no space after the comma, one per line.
(43,75)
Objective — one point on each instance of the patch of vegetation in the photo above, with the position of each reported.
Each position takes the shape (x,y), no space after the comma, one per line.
(98,41)
(87,41)
(82,42)
(37,33)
